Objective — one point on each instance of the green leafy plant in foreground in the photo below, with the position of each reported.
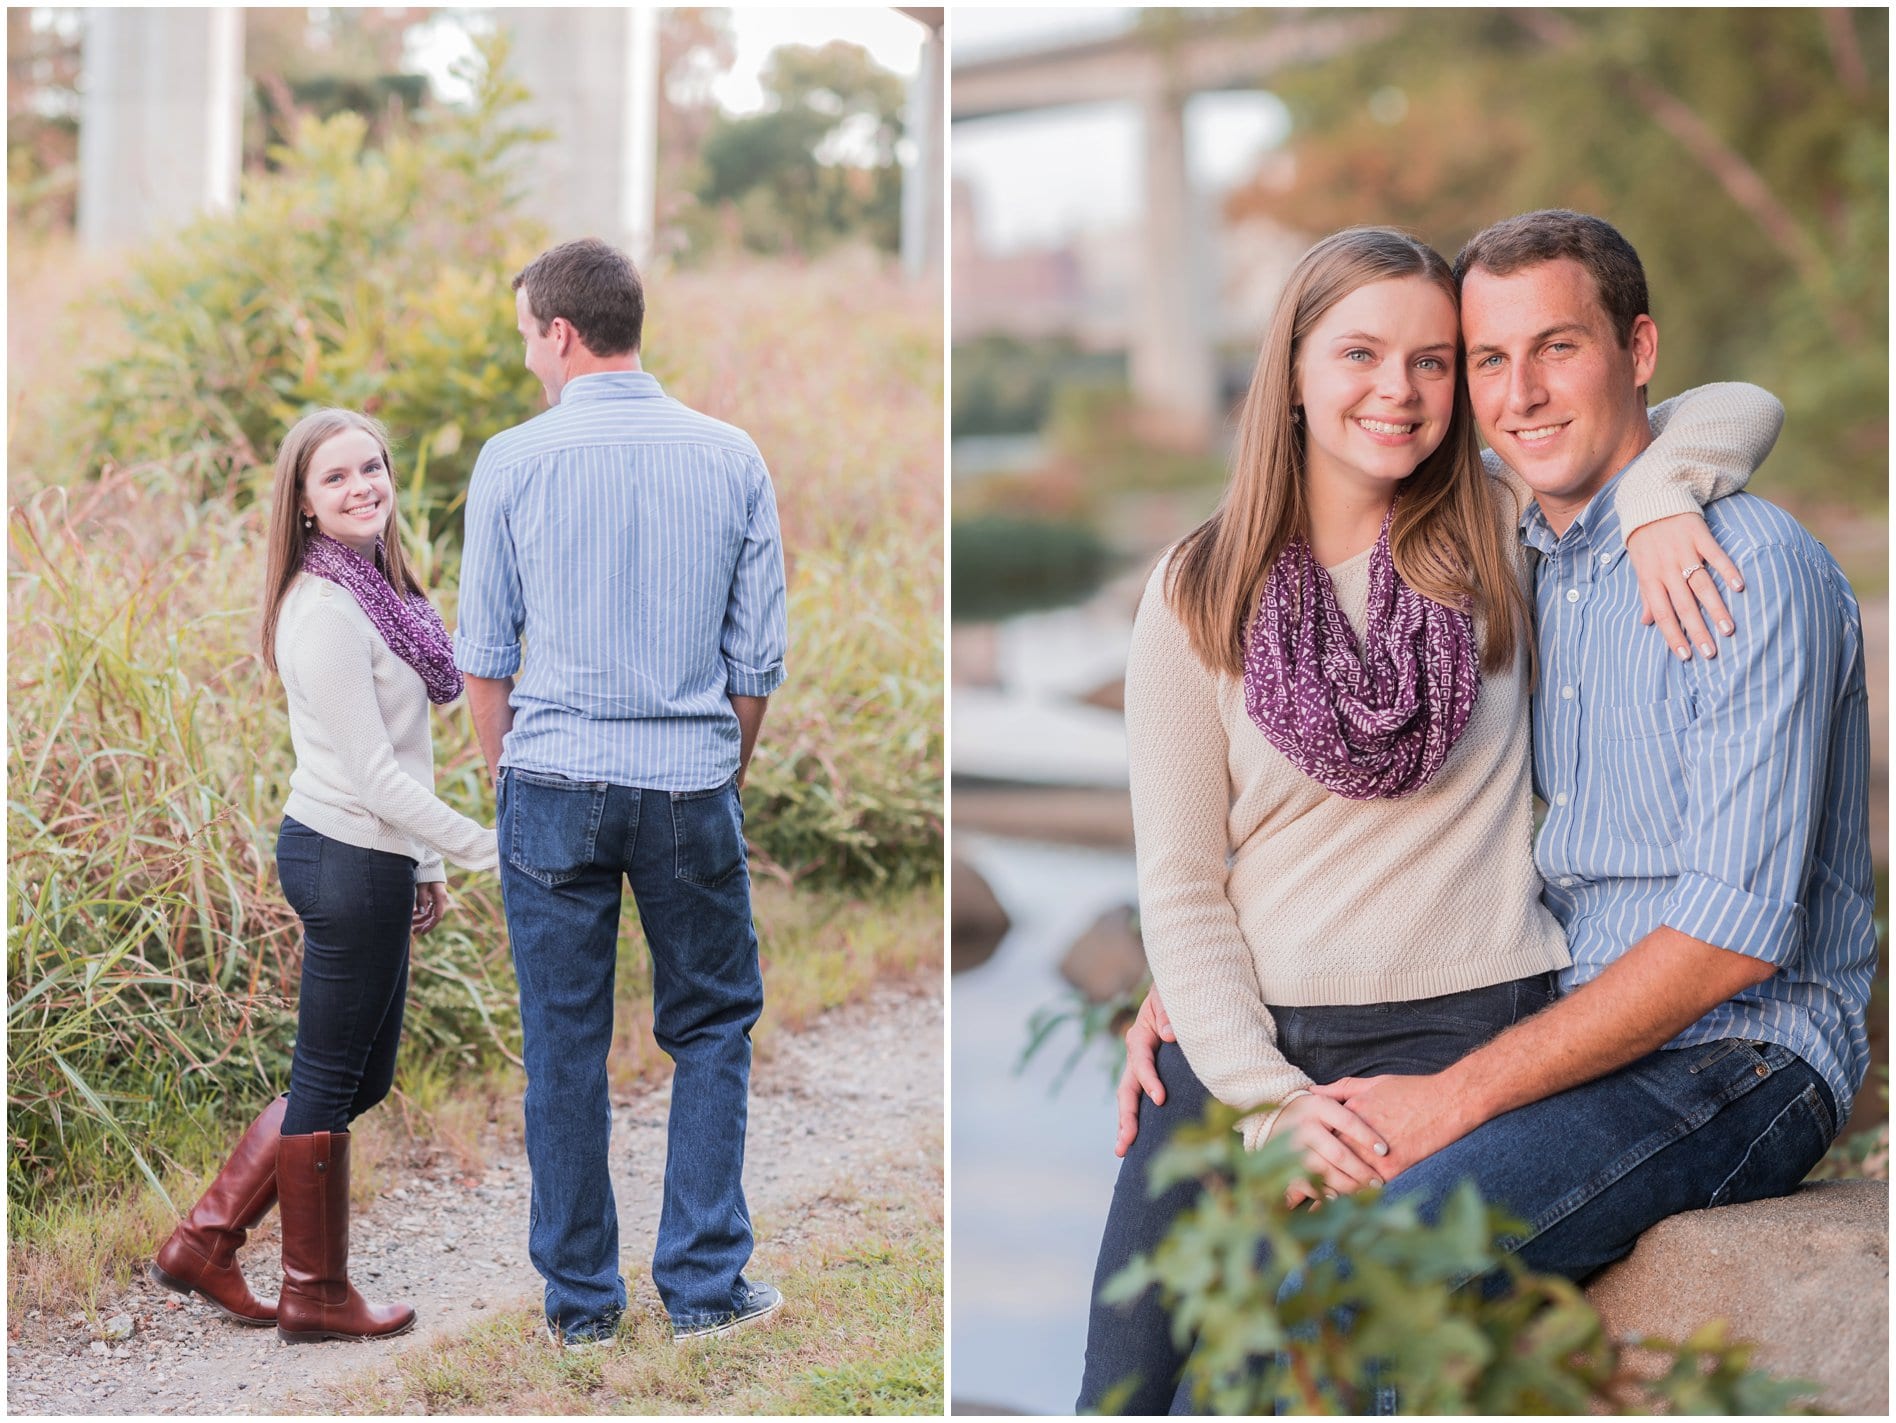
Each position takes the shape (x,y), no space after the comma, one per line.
(1397,1314)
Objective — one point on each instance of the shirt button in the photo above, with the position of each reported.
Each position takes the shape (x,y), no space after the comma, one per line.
(1573,595)
(1606,558)
(1564,882)
(1561,799)
(1566,694)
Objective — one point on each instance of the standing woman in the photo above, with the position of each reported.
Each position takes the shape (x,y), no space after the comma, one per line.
(361,654)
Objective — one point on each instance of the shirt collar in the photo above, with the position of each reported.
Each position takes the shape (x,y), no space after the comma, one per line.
(611,385)
(1597,526)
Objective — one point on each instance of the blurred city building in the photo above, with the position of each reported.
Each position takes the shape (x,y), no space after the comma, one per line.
(1088,286)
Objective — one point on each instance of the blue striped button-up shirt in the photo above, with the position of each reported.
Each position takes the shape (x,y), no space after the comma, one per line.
(631,544)
(1725,798)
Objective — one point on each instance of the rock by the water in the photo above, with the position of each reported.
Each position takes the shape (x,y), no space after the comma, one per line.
(976,920)
(1108,960)
(1804,1278)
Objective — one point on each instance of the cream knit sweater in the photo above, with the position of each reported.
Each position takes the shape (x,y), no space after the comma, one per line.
(1258,886)
(359,723)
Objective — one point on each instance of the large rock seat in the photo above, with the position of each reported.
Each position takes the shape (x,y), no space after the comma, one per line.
(1804,1278)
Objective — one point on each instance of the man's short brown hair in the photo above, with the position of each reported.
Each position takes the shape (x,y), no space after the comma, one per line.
(1546,236)
(595,287)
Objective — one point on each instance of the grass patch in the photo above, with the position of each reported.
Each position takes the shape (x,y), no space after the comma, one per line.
(860,1333)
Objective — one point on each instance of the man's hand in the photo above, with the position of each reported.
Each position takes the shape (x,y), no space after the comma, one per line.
(750,720)
(431,903)
(1665,555)
(1416,1116)
(1338,1146)
(1150,1027)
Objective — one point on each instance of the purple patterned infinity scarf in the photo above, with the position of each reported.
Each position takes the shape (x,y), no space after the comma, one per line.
(1369,722)
(411,627)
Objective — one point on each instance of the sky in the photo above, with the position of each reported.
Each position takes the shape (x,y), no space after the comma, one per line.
(893,40)
(1040,178)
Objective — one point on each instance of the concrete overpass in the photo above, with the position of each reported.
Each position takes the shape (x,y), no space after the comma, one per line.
(1172,358)
(160,135)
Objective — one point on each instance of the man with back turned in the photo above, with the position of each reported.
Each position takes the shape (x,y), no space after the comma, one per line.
(631,544)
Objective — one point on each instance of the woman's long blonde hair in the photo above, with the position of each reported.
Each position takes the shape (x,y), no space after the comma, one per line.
(288,537)
(1447,539)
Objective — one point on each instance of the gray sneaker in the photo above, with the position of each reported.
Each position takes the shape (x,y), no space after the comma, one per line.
(575,1343)
(762,1300)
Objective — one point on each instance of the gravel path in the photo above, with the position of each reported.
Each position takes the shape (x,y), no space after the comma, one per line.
(856,1094)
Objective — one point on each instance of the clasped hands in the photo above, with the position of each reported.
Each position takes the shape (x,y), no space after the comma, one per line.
(1339,1125)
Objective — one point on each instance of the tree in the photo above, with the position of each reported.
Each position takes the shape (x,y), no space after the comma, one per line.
(695,48)
(818,163)
(42,119)
(323,62)
(1743,152)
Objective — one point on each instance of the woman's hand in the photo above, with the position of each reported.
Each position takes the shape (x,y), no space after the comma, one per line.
(431,903)
(1669,558)
(1149,1028)
(1339,1146)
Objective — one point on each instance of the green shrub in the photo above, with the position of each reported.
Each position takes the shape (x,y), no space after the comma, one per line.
(1007,564)
(377,280)
(1005,385)
(1538,1348)
(1096,429)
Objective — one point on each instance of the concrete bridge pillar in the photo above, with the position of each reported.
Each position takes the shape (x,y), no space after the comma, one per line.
(1172,364)
(922,182)
(161,120)
(594,80)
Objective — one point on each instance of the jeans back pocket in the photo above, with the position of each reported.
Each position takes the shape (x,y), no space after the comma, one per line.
(708,834)
(550,825)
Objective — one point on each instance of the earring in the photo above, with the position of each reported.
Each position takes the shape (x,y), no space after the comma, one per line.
(308,523)
(1296,414)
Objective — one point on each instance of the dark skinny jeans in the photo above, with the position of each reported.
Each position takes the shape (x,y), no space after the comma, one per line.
(356,906)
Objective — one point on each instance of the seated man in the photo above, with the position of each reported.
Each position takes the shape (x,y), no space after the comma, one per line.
(1706,846)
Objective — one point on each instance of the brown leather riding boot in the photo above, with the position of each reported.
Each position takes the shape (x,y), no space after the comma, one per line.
(200,1258)
(318,1302)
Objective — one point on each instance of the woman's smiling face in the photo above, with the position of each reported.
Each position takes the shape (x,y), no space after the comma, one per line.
(1376,382)
(348,490)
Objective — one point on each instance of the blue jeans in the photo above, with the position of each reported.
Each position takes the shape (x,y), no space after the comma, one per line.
(564,847)
(1681,1129)
(355,905)
(1133,1342)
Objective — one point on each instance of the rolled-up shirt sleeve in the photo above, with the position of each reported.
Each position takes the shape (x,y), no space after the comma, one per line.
(755,635)
(1757,753)
(492,611)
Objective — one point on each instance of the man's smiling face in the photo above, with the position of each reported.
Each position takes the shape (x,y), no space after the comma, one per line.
(1556,393)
